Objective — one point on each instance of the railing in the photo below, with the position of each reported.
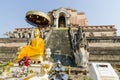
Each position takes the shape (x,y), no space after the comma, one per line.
(47,36)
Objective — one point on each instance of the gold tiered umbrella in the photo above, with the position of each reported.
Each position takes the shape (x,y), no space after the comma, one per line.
(38,18)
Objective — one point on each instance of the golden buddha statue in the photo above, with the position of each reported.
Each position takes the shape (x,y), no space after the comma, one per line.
(34,50)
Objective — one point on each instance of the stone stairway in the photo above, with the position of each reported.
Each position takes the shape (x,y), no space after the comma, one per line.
(59,44)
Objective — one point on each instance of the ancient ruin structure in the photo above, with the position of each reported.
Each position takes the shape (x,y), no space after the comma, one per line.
(104,44)
(64,17)
(67,17)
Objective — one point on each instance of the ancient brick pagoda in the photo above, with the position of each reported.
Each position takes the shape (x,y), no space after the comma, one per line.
(104,44)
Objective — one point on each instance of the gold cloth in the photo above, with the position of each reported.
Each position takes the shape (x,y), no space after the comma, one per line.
(36,48)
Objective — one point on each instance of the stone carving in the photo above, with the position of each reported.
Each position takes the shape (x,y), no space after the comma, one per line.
(10,34)
(91,34)
(57,15)
(79,46)
(16,35)
(29,35)
(58,72)
(19,34)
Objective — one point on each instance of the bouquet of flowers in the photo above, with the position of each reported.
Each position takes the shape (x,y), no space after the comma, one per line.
(25,61)
(22,71)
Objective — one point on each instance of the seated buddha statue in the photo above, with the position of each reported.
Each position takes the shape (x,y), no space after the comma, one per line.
(34,50)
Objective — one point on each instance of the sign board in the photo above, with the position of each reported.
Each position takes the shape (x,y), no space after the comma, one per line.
(102,71)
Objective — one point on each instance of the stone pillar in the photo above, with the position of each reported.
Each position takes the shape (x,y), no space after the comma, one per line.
(57,22)
(67,21)
(54,22)
(56,16)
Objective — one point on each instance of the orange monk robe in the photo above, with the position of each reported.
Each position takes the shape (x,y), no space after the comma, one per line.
(35,48)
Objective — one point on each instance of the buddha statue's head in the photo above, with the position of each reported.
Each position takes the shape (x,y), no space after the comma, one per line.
(36,32)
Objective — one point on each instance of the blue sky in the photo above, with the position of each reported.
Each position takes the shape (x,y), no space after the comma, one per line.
(98,12)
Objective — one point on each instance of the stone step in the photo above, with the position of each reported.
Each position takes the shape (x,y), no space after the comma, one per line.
(113,62)
(104,50)
(104,57)
(11,40)
(6,59)
(8,50)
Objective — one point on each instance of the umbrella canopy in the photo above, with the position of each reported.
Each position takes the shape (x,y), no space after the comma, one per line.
(37,18)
